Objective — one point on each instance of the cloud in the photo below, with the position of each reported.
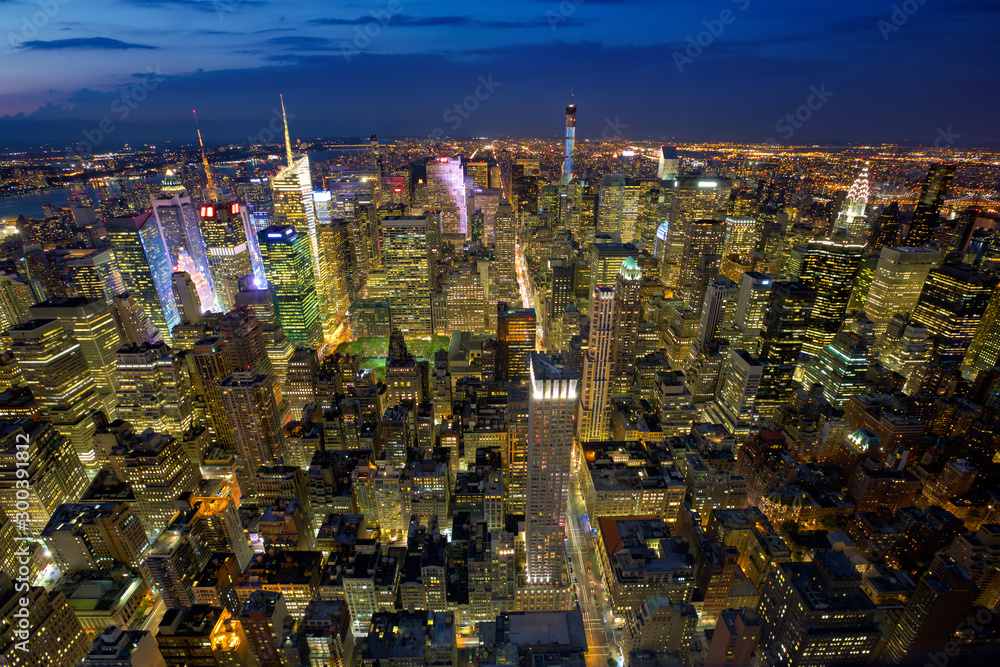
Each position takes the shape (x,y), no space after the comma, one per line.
(455,21)
(93,43)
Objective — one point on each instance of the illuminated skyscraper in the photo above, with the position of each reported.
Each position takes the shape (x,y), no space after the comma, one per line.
(213,363)
(598,366)
(95,275)
(840,367)
(742,237)
(754,295)
(154,389)
(567,170)
(735,406)
(446,193)
(516,331)
(692,198)
(55,369)
(851,218)
(146,268)
(224,227)
(984,351)
(668,163)
(134,325)
(465,299)
(291,282)
(927,216)
(951,306)
(627,317)
(828,268)
(89,322)
(606,260)
(701,258)
(335,253)
(178,222)
(551,407)
(254,418)
(899,278)
(186,295)
(503,276)
(407,260)
(786,320)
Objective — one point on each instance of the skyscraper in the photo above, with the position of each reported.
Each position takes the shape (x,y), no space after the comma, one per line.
(255,421)
(667,163)
(90,322)
(927,215)
(224,228)
(178,222)
(701,258)
(567,171)
(692,198)
(828,268)
(145,268)
(446,193)
(291,282)
(899,278)
(54,367)
(516,331)
(984,351)
(951,306)
(551,407)
(154,389)
(95,274)
(735,406)
(840,367)
(186,295)
(598,366)
(851,218)
(503,276)
(627,317)
(407,259)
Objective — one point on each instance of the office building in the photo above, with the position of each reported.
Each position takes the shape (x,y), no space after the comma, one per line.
(503,271)
(701,258)
(828,268)
(951,306)
(177,220)
(692,198)
(406,249)
(551,406)
(146,270)
(255,421)
(841,367)
(53,636)
(927,216)
(224,226)
(897,282)
(627,310)
(292,283)
(516,332)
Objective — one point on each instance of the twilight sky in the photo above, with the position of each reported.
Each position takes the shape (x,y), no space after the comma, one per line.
(903,71)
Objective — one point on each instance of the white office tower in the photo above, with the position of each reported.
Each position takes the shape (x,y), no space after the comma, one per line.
(668,164)
(899,278)
(852,217)
(551,423)
(598,365)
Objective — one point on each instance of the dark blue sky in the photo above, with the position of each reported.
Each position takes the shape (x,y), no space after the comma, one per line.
(900,74)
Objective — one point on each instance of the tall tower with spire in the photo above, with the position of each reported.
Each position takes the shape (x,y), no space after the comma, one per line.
(567,174)
(852,217)
(294,206)
(211,193)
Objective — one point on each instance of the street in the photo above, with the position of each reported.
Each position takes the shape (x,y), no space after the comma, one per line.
(593,601)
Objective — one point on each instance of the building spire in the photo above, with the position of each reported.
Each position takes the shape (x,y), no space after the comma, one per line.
(204,159)
(288,139)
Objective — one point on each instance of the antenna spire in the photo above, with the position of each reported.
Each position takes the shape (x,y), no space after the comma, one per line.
(288,139)
(204,159)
